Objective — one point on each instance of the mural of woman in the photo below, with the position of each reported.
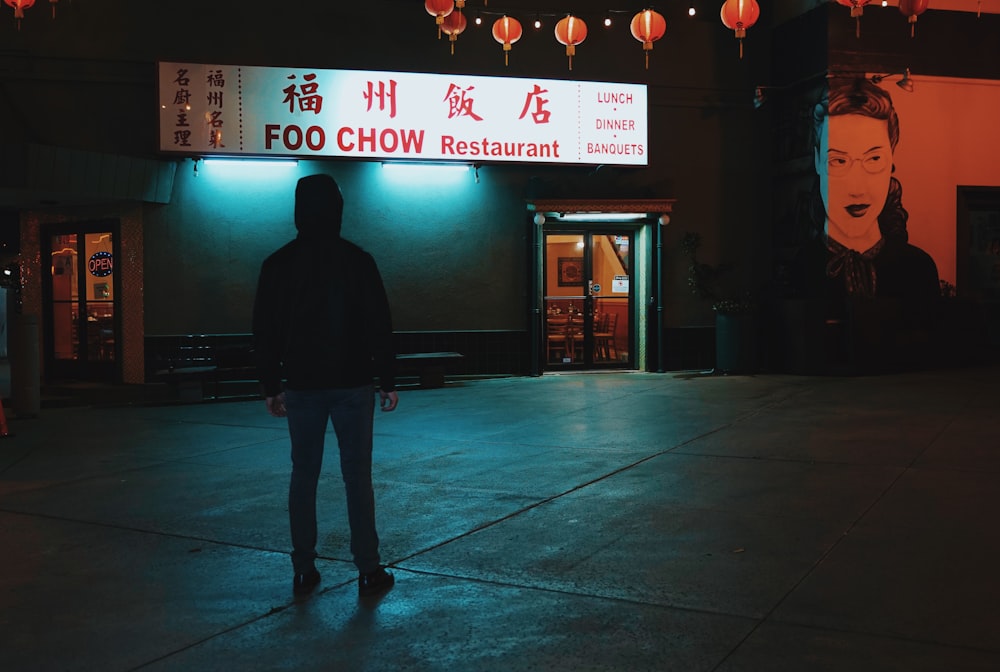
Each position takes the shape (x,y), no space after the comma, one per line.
(864,222)
(871,296)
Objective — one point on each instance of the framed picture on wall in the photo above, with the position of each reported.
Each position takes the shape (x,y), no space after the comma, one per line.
(570,271)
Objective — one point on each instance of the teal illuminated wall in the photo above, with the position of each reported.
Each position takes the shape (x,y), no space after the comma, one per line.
(451,250)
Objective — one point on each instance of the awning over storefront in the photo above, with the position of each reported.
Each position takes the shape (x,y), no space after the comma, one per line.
(33,176)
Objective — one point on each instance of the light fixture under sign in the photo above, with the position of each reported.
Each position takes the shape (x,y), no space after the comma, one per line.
(602,217)
(243,168)
(422,172)
(255,163)
(421,166)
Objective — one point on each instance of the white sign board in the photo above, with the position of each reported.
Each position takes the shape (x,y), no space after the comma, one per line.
(619,285)
(218,110)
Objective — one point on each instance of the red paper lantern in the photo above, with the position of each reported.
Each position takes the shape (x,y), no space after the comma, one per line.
(738,16)
(453,26)
(19,7)
(912,9)
(857,9)
(571,31)
(647,27)
(439,9)
(506,30)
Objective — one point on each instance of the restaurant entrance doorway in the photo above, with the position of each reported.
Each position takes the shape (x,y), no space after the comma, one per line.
(588,298)
(604,255)
(79,299)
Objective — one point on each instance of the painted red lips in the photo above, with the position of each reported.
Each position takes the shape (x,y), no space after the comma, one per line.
(859,210)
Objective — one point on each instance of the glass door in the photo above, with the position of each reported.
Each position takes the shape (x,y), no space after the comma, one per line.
(81,329)
(588,300)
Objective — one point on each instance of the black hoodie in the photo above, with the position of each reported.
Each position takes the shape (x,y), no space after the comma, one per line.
(321,316)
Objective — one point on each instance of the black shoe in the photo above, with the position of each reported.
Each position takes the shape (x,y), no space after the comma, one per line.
(375,583)
(303,584)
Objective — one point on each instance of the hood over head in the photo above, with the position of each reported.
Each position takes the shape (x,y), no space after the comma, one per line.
(319,207)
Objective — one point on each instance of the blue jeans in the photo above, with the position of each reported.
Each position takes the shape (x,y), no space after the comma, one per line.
(352,412)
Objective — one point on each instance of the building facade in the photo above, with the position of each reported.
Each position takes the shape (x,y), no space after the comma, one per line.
(124,251)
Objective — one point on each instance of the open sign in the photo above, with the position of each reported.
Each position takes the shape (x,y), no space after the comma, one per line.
(101,264)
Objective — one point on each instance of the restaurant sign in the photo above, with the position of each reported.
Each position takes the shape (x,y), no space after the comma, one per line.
(220,110)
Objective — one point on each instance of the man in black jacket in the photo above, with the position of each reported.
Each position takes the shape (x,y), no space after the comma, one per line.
(321,324)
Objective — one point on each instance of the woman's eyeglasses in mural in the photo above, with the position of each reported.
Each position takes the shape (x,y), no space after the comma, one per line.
(839,164)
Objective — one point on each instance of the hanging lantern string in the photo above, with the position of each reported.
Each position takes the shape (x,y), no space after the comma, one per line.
(600,17)
(647,26)
(534,13)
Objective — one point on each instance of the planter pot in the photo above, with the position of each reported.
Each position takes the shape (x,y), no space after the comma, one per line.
(736,343)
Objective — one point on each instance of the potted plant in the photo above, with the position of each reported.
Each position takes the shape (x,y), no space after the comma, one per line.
(735,313)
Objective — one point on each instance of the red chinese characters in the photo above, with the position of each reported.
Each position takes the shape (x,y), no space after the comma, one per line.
(459,103)
(305,96)
(384,95)
(540,115)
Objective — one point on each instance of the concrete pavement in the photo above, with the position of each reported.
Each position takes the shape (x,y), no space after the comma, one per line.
(614,521)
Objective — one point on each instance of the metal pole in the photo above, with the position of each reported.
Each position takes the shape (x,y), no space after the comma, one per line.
(659,296)
(537,275)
